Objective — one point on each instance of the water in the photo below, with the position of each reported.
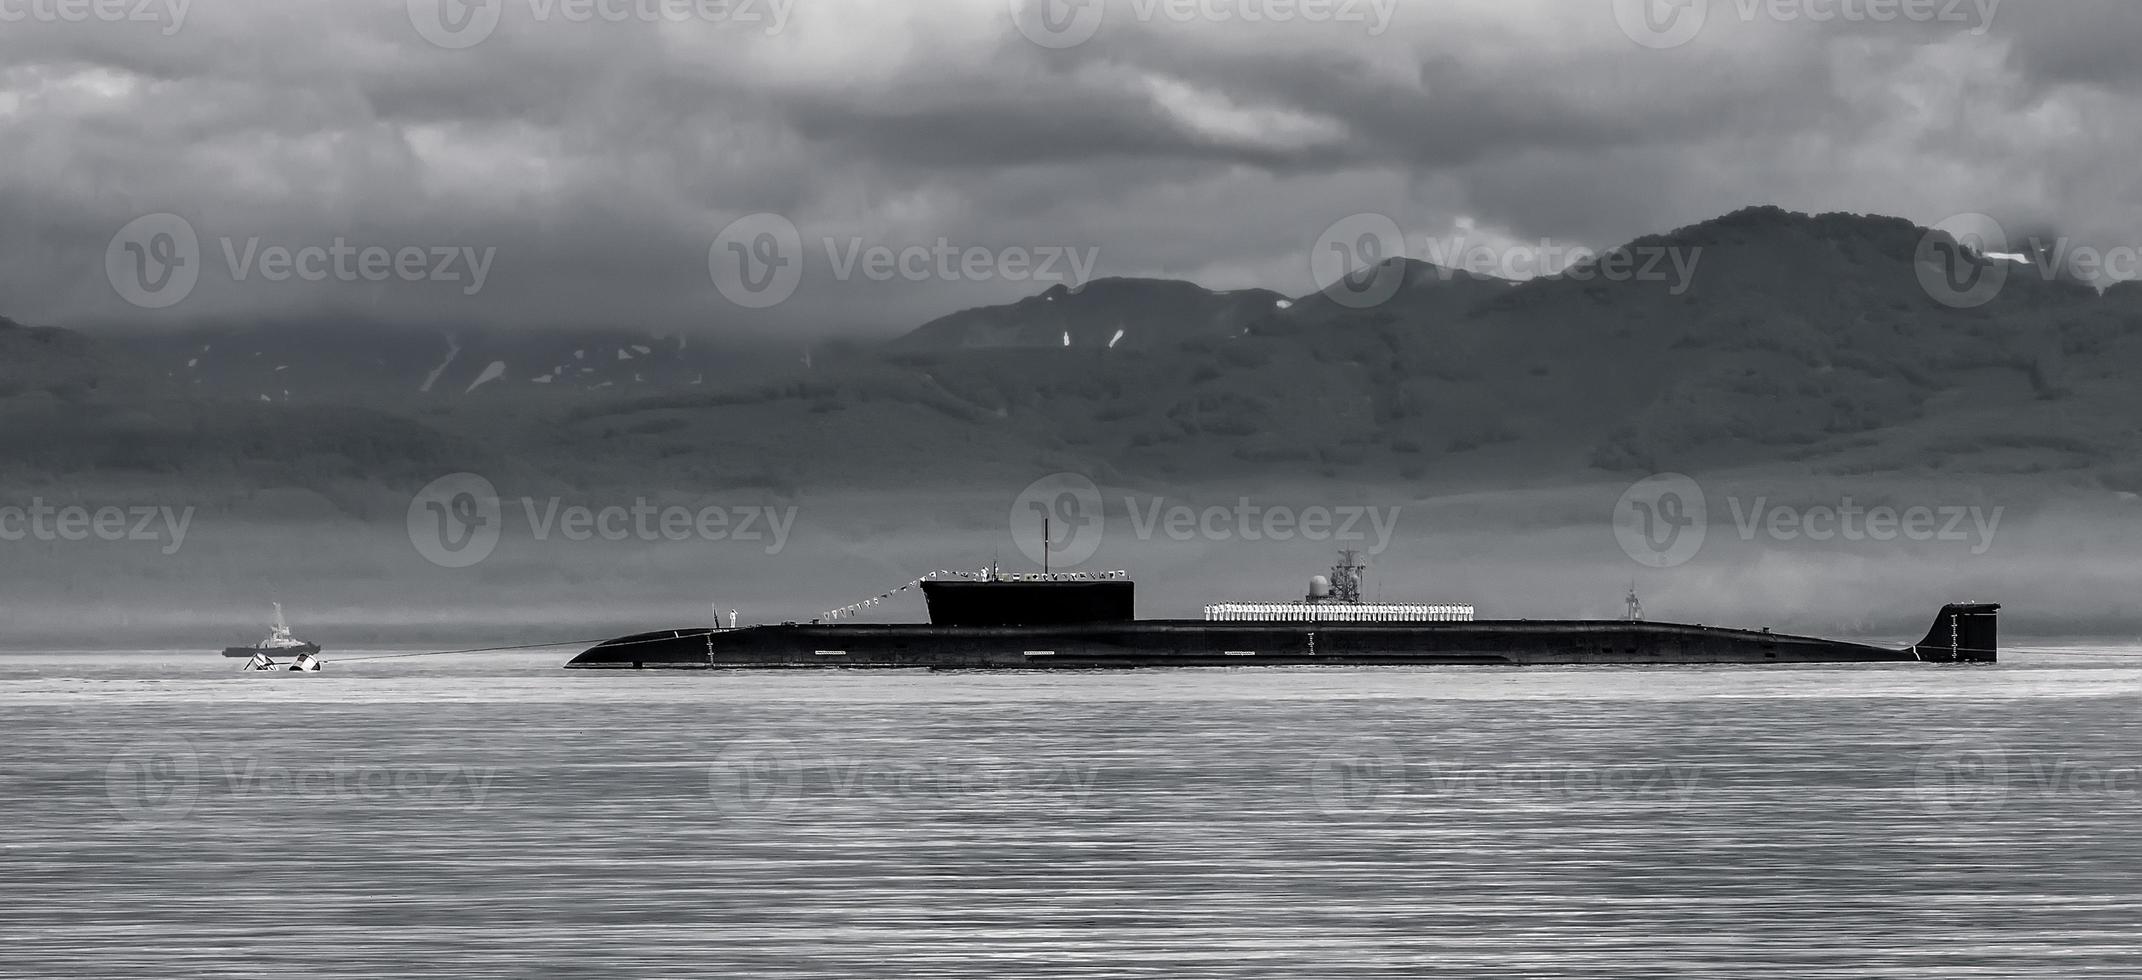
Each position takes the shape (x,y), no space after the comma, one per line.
(495,816)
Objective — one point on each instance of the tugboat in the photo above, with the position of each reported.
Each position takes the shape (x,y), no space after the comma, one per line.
(1086,621)
(278,644)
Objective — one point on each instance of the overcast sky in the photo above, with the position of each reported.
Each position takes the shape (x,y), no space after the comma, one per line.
(589,166)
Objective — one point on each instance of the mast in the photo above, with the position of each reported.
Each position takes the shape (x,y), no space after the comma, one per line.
(1636,606)
(1346,577)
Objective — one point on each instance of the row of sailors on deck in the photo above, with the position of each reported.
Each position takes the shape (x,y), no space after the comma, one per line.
(1324,612)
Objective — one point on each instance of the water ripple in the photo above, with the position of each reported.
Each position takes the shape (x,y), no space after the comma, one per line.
(498,817)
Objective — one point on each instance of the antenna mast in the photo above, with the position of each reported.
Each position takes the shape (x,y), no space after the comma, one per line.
(1346,577)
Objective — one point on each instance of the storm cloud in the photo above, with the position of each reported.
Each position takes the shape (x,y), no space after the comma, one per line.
(601,147)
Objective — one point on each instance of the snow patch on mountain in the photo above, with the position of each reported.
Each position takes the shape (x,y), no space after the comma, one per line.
(453,350)
(493,372)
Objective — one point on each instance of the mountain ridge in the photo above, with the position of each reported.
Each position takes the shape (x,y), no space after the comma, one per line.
(1803,337)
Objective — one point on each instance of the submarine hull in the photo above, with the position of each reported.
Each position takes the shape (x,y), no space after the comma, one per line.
(1963,635)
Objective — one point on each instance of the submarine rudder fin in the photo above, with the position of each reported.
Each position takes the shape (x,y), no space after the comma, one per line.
(1965,633)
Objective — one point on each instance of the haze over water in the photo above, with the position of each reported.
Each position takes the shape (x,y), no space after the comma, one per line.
(496,816)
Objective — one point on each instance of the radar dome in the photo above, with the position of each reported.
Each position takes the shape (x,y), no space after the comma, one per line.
(1319,587)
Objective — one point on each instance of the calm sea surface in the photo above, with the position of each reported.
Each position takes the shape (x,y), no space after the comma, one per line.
(166,816)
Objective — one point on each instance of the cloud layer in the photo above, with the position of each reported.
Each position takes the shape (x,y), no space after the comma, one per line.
(602,146)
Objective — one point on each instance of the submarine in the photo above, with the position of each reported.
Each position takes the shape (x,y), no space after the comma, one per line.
(1088,621)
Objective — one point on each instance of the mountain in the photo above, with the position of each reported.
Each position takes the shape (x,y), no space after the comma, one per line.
(1417,292)
(81,411)
(1762,336)
(1128,314)
(50,363)
(372,363)
(1759,335)
(1797,335)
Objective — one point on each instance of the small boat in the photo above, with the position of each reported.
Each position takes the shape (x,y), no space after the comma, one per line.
(278,644)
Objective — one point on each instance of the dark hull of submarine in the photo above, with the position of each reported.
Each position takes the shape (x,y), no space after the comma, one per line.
(976,627)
